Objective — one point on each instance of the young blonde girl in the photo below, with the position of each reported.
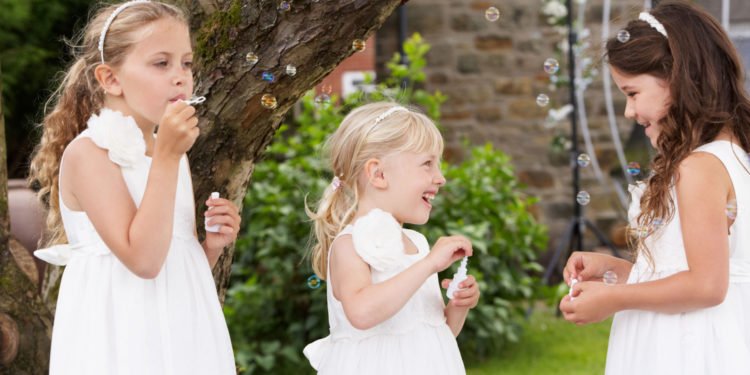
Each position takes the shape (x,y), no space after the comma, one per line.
(137,295)
(683,305)
(386,313)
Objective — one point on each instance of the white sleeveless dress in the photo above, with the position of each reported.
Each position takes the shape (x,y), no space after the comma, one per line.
(110,321)
(714,340)
(414,341)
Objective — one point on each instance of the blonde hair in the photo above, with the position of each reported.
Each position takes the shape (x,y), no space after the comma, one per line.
(78,96)
(359,138)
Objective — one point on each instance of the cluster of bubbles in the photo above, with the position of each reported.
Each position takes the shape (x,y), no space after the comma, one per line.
(269,101)
(314,282)
(551,67)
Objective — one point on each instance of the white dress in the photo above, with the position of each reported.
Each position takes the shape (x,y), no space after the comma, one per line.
(414,341)
(110,321)
(714,340)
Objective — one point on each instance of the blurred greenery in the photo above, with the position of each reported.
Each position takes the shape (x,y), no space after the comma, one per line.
(32,51)
(271,311)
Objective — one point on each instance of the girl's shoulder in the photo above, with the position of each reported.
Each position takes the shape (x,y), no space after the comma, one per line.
(112,135)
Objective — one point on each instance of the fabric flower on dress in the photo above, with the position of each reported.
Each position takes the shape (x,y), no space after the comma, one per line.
(120,135)
(377,238)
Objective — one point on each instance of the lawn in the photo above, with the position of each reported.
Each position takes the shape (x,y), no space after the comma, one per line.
(550,346)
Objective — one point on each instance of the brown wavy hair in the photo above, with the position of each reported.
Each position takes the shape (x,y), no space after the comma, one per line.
(79,95)
(706,84)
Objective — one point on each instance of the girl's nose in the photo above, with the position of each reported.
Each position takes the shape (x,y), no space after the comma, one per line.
(629,110)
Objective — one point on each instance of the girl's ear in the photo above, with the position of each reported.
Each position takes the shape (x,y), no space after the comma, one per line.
(374,173)
(107,79)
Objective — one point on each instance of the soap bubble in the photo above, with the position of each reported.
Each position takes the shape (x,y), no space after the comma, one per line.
(285,6)
(584,160)
(623,36)
(291,70)
(268,76)
(610,278)
(542,100)
(634,168)
(358,45)
(551,66)
(314,282)
(251,58)
(323,100)
(583,197)
(268,101)
(492,14)
(731,210)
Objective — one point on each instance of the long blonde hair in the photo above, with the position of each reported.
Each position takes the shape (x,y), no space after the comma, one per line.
(78,96)
(358,139)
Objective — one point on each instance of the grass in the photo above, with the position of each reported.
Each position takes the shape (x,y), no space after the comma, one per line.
(550,346)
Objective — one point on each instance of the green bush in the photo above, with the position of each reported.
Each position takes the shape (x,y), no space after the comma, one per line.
(272,312)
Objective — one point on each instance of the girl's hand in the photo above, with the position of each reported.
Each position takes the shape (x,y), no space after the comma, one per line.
(592,302)
(178,129)
(223,212)
(448,250)
(468,294)
(585,266)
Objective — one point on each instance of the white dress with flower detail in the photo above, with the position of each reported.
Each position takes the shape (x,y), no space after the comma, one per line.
(414,341)
(110,321)
(714,340)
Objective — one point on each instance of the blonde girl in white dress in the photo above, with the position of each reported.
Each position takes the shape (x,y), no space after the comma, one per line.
(386,311)
(137,295)
(682,306)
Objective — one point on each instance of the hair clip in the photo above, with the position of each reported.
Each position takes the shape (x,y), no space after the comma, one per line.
(111,18)
(336,183)
(388,113)
(653,22)
(195,100)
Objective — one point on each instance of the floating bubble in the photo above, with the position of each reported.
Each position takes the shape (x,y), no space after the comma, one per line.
(657,223)
(268,76)
(268,101)
(731,210)
(492,14)
(542,100)
(634,168)
(251,58)
(551,66)
(314,282)
(323,99)
(584,160)
(285,6)
(358,45)
(583,197)
(291,70)
(623,36)
(639,232)
(609,278)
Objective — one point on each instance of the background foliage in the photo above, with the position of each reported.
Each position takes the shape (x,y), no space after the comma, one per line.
(271,310)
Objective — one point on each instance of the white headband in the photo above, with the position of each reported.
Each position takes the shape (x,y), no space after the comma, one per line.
(653,22)
(388,113)
(109,23)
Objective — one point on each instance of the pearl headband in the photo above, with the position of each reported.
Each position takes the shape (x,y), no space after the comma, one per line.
(653,22)
(388,113)
(109,23)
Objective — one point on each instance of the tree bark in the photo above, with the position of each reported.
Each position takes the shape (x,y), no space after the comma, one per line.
(314,36)
(25,321)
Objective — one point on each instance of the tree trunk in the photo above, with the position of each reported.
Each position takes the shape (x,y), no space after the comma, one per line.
(314,36)
(25,321)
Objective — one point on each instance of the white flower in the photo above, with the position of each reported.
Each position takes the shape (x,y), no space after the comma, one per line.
(378,240)
(555,9)
(118,134)
(560,113)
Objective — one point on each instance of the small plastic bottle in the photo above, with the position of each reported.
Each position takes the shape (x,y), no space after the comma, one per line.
(458,277)
(213,228)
